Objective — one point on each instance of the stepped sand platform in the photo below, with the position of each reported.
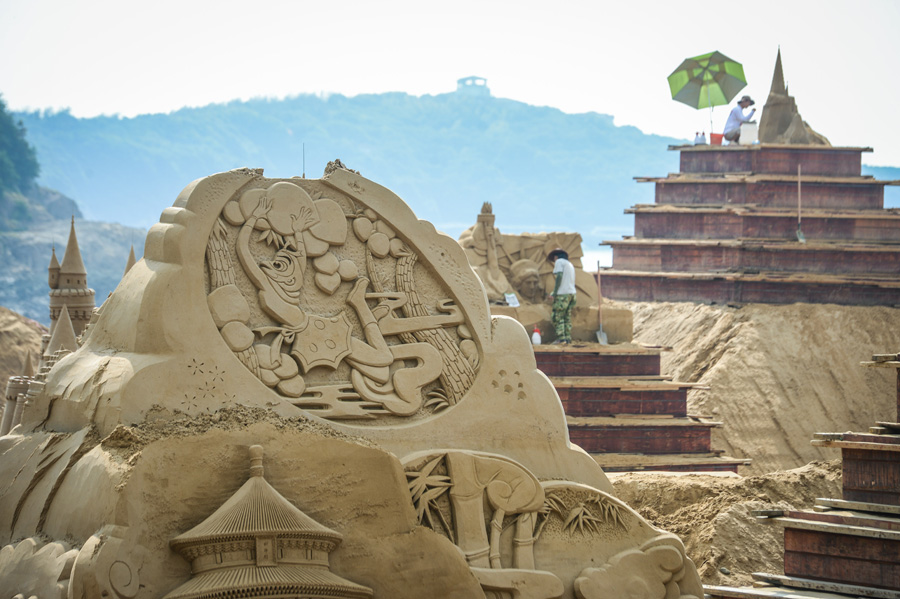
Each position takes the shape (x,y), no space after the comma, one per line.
(768,223)
(623,412)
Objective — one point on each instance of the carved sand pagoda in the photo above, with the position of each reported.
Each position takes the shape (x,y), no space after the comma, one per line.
(259,545)
(790,219)
(323,321)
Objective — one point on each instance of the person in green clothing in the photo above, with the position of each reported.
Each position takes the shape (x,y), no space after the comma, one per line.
(563,295)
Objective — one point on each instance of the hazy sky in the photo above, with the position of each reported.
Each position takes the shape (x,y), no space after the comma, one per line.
(122,57)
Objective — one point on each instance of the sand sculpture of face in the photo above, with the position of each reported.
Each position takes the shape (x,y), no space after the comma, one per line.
(526,279)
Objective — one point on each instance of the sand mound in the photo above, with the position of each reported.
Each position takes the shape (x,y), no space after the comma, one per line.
(711,514)
(776,374)
(18,335)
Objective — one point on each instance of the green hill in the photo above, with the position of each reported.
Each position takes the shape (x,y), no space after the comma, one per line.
(445,155)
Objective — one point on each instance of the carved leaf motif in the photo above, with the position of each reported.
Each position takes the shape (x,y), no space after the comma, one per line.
(581,519)
(425,489)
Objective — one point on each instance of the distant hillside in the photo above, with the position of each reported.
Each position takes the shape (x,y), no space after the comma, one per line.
(445,155)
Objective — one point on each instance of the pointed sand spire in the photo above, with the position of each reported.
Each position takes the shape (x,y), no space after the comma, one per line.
(72,263)
(28,367)
(778,86)
(63,334)
(131,261)
(54,263)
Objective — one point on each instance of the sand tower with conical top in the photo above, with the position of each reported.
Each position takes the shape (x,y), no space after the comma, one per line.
(68,286)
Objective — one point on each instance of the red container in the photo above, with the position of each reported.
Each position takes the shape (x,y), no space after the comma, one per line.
(715,139)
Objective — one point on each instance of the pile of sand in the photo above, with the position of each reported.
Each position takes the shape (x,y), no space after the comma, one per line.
(776,374)
(711,514)
(18,336)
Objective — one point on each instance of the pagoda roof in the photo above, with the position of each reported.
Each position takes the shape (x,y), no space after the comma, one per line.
(283,581)
(256,509)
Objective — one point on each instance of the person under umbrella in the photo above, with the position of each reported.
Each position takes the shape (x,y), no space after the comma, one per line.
(737,117)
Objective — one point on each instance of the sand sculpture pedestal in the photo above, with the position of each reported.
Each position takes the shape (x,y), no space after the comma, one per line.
(320,320)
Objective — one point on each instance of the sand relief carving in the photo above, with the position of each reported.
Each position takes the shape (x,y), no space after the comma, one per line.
(451,489)
(387,357)
(334,297)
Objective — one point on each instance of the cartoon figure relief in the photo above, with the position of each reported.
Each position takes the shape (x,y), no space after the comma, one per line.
(451,489)
(315,314)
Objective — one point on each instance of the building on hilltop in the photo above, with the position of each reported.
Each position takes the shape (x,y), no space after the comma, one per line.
(790,219)
(473,86)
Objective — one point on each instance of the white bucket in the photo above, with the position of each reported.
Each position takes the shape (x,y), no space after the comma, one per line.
(749,134)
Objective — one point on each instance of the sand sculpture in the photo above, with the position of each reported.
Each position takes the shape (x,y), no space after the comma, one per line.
(412,447)
(517,264)
(68,287)
(781,122)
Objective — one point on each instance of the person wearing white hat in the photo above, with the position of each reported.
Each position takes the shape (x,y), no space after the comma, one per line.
(736,118)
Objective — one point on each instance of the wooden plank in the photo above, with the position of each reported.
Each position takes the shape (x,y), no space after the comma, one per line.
(869,446)
(860,506)
(717,592)
(818,585)
(875,521)
(838,529)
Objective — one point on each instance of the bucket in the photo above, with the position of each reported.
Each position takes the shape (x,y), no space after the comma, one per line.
(715,139)
(749,134)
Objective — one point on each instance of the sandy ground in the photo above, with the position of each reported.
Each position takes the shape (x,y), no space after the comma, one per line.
(777,374)
(711,514)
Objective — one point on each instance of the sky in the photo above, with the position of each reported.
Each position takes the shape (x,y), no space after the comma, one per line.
(127,58)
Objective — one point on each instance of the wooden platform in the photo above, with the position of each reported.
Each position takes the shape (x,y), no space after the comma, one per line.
(625,414)
(709,256)
(771,158)
(849,546)
(597,360)
(608,396)
(713,461)
(762,287)
(732,215)
(750,222)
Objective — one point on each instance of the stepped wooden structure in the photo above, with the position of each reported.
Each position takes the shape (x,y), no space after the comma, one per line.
(623,412)
(848,546)
(738,224)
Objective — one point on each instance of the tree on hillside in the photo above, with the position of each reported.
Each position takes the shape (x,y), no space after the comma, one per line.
(18,161)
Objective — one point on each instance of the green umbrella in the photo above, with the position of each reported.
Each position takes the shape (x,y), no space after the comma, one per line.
(708,80)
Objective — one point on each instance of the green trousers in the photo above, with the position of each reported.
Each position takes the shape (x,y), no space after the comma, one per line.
(562,316)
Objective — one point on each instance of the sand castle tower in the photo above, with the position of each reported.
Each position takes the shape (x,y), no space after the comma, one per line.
(68,286)
(16,390)
(259,545)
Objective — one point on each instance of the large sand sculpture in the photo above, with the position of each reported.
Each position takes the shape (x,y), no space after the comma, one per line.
(517,265)
(407,446)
